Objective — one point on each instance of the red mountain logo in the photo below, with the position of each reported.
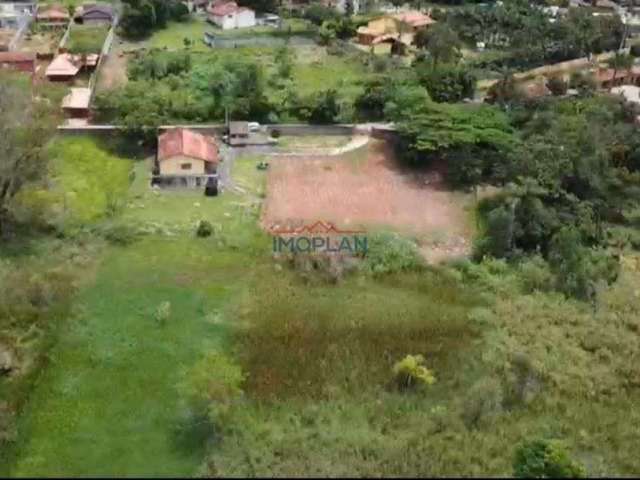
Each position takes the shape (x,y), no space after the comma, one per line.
(318,227)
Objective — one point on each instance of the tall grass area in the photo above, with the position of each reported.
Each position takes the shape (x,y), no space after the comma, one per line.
(512,361)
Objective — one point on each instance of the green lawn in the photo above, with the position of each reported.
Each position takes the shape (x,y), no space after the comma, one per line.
(108,402)
(173,36)
(86,38)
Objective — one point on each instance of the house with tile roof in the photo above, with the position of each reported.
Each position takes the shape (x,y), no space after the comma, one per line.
(186,158)
(400,27)
(229,15)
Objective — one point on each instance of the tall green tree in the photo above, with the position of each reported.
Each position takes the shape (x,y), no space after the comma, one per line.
(26,125)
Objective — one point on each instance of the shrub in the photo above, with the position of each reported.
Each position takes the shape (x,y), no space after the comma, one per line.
(410,373)
(535,275)
(545,459)
(205,229)
(635,50)
(275,133)
(483,402)
(212,386)
(162,312)
(389,253)
(119,234)
(557,86)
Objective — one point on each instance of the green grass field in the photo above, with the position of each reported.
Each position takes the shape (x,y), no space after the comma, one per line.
(109,396)
(318,341)
(173,36)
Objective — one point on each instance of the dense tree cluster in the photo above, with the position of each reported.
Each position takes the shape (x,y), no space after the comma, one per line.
(531,39)
(141,17)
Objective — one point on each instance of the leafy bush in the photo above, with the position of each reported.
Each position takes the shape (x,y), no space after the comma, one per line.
(119,233)
(212,386)
(535,275)
(205,229)
(410,373)
(483,402)
(545,459)
(162,313)
(389,253)
(557,86)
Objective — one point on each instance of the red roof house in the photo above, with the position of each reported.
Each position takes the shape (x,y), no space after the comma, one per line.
(53,15)
(183,152)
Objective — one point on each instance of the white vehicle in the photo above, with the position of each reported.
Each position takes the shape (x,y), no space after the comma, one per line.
(253,126)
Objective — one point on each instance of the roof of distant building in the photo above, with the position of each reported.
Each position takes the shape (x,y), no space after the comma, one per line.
(221,9)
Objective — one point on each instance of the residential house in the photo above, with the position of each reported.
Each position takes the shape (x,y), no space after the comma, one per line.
(66,66)
(53,15)
(228,15)
(186,159)
(76,103)
(20,61)
(94,13)
(395,27)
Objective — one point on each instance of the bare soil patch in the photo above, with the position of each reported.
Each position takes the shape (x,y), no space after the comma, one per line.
(368,189)
(113,72)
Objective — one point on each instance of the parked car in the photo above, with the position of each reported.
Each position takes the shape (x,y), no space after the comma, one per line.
(254,126)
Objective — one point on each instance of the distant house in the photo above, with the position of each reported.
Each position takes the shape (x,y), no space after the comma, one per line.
(12,14)
(92,13)
(76,103)
(228,15)
(186,158)
(66,66)
(238,133)
(53,15)
(396,27)
(20,61)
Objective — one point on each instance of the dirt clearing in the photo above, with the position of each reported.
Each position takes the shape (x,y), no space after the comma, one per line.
(367,189)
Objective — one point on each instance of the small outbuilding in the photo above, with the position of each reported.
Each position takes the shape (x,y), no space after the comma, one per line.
(238,133)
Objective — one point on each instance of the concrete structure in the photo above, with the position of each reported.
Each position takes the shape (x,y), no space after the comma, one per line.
(76,103)
(228,15)
(185,159)
(22,62)
(238,133)
(12,13)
